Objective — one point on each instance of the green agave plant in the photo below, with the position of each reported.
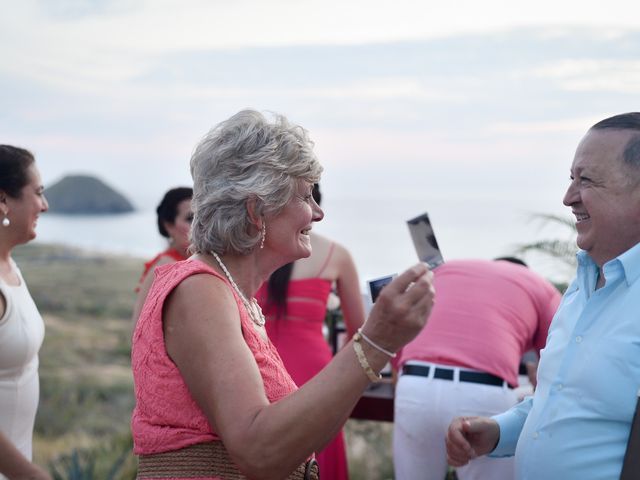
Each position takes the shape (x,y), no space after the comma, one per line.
(81,465)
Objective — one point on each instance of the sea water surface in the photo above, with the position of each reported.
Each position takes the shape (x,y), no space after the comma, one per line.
(374,231)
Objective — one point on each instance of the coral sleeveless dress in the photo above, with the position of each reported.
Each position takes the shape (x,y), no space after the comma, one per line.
(300,341)
(170,252)
(166,417)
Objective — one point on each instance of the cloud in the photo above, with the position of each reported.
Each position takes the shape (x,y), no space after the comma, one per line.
(152,27)
(590,75)
(570,125)
(373,89)
(172,25)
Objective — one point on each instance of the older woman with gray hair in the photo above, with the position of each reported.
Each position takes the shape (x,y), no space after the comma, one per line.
(213,399)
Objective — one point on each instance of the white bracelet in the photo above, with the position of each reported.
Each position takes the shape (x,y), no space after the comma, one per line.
(375,345)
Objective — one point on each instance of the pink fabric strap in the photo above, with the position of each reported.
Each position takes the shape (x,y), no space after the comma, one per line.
(326,261)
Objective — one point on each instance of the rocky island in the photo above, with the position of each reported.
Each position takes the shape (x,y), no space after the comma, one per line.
(85,195)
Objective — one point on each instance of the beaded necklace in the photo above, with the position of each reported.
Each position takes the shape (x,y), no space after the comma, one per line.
(254,310)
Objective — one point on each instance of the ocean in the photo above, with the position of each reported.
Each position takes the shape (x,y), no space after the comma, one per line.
(373,230)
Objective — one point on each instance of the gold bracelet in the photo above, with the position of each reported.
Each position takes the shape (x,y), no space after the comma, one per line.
(363,359)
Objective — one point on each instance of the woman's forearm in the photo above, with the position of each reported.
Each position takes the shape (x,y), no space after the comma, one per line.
(14,465)
(282,434)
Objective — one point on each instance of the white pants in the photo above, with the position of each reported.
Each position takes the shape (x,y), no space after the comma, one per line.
(424,408)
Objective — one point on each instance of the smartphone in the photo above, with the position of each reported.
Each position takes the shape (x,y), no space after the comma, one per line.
(424,240)
(377,284)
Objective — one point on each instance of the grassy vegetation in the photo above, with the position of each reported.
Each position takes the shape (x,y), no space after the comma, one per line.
(86,394)
(82,427)
(369,450)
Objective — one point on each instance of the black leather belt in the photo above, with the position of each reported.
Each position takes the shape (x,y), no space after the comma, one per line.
(447,374)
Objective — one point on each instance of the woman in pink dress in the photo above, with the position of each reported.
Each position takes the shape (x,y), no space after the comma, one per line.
(174,223)
(213,399)
(294,301)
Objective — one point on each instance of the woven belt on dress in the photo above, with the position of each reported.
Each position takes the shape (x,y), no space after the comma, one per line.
(206,460)
(448,374)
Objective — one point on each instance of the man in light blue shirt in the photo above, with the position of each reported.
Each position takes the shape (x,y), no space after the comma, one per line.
(577,423)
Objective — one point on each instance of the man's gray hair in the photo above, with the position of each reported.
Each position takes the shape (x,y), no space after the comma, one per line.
(625,121)
(245,157)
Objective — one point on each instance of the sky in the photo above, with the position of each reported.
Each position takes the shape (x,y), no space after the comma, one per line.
(469,109)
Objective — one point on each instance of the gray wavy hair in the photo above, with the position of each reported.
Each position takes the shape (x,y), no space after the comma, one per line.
(245,157)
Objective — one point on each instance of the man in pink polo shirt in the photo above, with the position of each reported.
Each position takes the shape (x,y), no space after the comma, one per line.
(465,361)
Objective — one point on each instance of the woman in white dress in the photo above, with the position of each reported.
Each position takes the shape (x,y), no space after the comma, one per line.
(21,326)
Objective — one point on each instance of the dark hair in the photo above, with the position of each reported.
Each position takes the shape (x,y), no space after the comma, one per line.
(14,163)
(278,283)
(277,288)
(515,260)
(625,121)
(168,208)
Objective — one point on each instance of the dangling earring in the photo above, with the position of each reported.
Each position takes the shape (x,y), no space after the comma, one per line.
(5,221)
(263,235)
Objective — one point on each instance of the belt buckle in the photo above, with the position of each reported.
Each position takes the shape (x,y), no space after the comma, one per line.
(312,470)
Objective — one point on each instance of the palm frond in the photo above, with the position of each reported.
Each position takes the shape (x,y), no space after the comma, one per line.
(549,218)
(564,251)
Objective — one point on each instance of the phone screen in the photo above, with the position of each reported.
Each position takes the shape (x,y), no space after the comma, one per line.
(424,240)
(376,285)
